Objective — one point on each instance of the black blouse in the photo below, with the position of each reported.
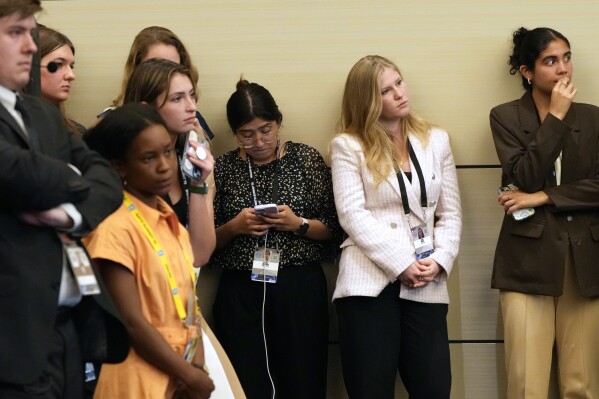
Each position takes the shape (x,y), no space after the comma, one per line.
(181,208)
(304,184)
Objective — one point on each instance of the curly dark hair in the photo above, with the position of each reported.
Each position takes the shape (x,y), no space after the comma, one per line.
(528,45)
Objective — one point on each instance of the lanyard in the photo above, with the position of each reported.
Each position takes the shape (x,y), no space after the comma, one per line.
(185,186)
(402,185)
(275,181)
(275,186)
(162,255)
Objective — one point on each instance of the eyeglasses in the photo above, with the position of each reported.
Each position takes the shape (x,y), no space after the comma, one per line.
(267,137)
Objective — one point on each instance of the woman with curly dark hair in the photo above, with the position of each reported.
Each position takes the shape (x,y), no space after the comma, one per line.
(546,258)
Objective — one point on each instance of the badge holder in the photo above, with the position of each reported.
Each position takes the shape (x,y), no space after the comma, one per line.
(423,244)
(192,319)
(80,266)
(265,267)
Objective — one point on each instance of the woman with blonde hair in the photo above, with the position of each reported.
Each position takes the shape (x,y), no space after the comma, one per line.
(393,173)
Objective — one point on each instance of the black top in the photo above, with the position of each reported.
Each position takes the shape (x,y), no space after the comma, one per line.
(181,208)
(204,125)
(304,184)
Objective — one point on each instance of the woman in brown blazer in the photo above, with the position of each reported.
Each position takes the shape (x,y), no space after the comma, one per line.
(547,265)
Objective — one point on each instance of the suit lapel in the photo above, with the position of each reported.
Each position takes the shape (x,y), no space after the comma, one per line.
(10,121)
(529,119)
(530,123)
(571,152)
(34,127)
(413,188)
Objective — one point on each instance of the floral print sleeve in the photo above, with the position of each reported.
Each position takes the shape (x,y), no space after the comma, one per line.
(304,184)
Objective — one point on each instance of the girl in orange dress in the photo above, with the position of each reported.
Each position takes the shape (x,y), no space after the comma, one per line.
(145,258)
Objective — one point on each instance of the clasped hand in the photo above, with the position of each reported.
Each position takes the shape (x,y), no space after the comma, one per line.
(199,388)
(420,273)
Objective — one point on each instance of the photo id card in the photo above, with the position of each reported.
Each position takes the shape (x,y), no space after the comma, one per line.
(80,266)
(423,244)
(266,265)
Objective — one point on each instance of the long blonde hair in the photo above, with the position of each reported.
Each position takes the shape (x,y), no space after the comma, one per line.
(360,112)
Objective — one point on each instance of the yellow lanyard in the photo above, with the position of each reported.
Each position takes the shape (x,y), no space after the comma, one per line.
(163,259)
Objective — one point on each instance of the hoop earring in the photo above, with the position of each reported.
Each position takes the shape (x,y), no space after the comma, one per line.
(529,81)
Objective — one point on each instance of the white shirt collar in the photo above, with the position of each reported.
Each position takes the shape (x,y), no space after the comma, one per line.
(8,98)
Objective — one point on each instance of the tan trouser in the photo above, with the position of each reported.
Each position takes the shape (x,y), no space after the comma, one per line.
(532,323)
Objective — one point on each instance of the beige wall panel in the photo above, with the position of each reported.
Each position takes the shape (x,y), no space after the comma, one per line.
(478,372)
(474,310)
(452,54)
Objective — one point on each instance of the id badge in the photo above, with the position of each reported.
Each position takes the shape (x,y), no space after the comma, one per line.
(192,321)
(266,265)
(190,349)
(423,244)
(80,266)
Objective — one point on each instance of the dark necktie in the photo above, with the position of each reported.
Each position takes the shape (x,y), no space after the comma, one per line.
(22,108)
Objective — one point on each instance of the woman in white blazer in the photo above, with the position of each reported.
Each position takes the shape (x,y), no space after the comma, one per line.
(391,294)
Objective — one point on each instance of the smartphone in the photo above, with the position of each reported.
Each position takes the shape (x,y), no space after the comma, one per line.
(521,213)
(191,170)
(266,208)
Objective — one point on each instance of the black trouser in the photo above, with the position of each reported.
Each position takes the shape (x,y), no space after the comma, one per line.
(296,327)
(63,376)
(380,335)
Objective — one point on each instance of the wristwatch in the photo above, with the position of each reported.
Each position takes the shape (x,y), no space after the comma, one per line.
(303,228)
(199,189)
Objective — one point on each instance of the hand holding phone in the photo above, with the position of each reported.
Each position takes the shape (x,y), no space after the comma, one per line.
(191,170)
(519,214)
(266,208)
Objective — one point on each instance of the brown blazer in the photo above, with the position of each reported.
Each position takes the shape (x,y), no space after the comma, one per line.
(530,254)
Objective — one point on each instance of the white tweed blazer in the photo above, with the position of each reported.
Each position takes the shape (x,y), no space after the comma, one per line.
(379,246)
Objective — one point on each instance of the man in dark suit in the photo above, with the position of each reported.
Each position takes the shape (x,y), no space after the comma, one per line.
(50,183)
